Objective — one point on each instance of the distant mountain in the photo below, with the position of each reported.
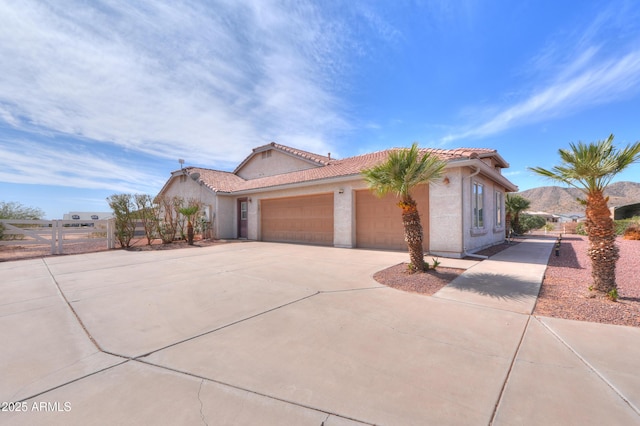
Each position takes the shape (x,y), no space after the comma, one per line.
(560,200)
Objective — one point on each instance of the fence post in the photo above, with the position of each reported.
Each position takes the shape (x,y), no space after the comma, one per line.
(53,236)
(110,236)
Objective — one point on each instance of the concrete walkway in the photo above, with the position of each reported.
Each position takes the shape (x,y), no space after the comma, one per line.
(275,334)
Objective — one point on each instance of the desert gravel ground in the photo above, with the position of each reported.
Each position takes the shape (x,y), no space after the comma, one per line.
(565,290)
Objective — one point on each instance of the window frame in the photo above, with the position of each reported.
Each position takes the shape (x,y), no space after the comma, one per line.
(499,213)
(477,205)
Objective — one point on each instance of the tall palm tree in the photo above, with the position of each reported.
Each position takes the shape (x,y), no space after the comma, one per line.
(590,168)
(403,170)
(514,205)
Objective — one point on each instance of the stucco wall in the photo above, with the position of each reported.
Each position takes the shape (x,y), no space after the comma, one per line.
(277,163)
(490,234)
(187,188)
(225,222)
(451,214)
(445,213)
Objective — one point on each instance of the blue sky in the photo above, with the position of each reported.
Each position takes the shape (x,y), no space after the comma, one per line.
(104,97)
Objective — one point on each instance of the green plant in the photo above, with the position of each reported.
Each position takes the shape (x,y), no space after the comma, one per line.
(613,294)
(581,228)
(400,174)
(148,214)
(530,222)
(549,227)
(590,167)
(168,217)
(436,262)
(123,209)
(514,205)
(190,212)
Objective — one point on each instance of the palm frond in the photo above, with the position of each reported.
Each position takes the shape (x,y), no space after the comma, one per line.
(591,167)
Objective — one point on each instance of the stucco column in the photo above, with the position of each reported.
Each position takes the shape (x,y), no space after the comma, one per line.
(343,217)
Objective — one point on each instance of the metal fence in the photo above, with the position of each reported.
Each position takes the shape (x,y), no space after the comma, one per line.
(56,233)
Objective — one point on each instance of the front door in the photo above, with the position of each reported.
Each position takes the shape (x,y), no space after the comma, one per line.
(243,213)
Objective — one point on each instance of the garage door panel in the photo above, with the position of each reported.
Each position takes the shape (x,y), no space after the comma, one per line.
(379,220)
(306,219)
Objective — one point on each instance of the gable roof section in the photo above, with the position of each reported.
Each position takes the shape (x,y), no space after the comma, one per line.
(228,182)
(310,157)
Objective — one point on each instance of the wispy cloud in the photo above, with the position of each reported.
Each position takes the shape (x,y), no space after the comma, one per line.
(578,74)
(171,79)
(79,167)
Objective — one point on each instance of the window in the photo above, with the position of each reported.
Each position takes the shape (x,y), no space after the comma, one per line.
(478,205)
(243,210)
(499,223)
(266,154)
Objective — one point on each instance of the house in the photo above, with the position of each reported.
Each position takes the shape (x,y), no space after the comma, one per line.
(549,217)
(282,194)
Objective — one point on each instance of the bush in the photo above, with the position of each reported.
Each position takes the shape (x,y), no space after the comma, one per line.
(581,228)
(632,233)
(623,224)
(530,222)
(123,210)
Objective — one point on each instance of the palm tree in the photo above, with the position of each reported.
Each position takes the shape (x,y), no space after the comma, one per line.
(590,168)
(189,212)
(514,205)
(403,170)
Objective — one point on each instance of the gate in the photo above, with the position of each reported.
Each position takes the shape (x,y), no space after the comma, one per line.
(54,233)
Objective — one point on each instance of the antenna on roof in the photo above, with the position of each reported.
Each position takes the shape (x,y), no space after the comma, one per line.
(329,155)
(181,161)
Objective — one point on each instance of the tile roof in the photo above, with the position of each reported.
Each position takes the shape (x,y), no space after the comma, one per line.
(222,181)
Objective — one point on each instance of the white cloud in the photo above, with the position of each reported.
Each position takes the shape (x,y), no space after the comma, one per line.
(35,163)
(172,79)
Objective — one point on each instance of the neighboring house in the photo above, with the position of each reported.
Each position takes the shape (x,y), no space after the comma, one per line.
(627,211)
(283,194)
(571,217)
(549,217)
(88,216)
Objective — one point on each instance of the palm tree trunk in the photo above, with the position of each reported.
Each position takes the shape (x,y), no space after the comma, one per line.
(413,234)
(190,234)
(602,243)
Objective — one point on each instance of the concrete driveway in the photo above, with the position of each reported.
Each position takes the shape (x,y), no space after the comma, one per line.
(275,334)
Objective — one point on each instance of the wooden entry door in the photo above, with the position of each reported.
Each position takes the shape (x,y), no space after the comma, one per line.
(243,214)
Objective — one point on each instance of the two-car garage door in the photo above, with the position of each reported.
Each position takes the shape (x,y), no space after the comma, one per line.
(307,219)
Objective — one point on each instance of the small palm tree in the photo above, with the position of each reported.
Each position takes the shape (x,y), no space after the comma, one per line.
(400,174)
(514,205)
(189,212)
(590,168)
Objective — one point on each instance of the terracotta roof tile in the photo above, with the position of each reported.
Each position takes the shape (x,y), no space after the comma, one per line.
(229,182)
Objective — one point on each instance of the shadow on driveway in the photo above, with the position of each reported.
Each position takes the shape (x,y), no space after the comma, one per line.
(496,286)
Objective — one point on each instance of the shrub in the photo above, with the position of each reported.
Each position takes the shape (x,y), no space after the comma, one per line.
(123,210)
(148,213)
(632,233)
(530,222)
(622,225)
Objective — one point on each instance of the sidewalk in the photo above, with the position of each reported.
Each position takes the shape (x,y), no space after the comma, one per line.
(276,334)
(510,280)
